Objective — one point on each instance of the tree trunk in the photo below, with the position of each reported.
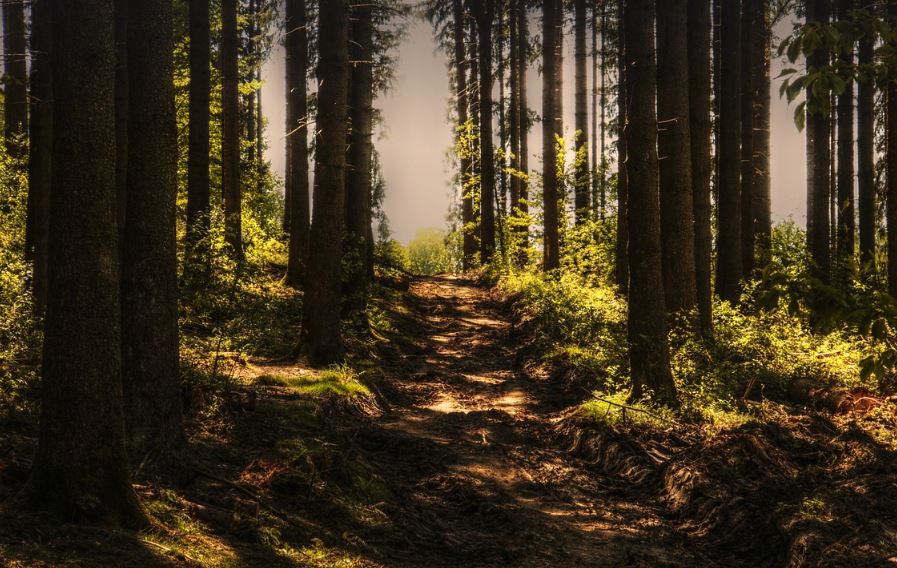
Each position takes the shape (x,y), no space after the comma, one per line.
(699,79)
(15,57)
(819,11)
(749,22)
(761,205)
(198,255)
(121,114)
(602,133)
(296,47)
(230,129)
(502,200)
(728,262)
(249,56)
(674,143)
(321,315)
(581,185)
(461,99)
(41,146)
(649,355)
(523,63)
(149,261)
(514,110)
(621,267)
(80,469)
(891,198)
(846,242)
(552,126)
(358,189)
(866,152)
(484,13)
(595,164)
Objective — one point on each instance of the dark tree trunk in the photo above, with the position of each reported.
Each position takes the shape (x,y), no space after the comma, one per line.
(15,57)
(846,240)
(80,469)
(149,261)
(514,104)
(552,126)
(581,185)
(595,164)
(866,152)
(121,114)
(198,193)
(321,315)
(461,96)
(749,22)
(674,143)
(761,205)
(621,267)
(649,355)
(41,146)
(716,77)
(502,200)
(484,13)
(891,197)
(699,29)
(250,55)
(296,47)
(523,63)
(728,261)
(602,133)
(358,188)
(230,129)
(818,143)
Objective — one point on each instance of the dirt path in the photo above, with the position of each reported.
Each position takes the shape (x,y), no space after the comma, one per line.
(466,445)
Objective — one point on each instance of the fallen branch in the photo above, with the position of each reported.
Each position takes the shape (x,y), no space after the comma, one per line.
(634,409)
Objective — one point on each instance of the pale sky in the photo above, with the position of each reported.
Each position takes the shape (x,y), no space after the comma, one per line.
(417,133)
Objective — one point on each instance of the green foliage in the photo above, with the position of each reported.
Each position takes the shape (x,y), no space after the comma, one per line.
(428,253)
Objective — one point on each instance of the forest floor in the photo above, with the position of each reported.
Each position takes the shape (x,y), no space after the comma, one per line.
(457,445)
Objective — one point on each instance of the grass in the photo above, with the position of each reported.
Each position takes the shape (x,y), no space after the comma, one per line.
(340,380)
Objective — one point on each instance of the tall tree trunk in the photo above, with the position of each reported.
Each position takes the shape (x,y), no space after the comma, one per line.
(358,194)
(80,469)
(514,110)
(749,22)
(502,200)
(866,150)
(15,57)
(699,80)
(819,11)
(602,133)
(230,129)
(523,63)
(716,76)
(462,101)
(595,163)
(250,55)
(149,261)
(198,255)
(728,262)
(674,143)
(761,205)
(581,185)
(121,114)
(321,316)
(552,126)
(484,13)
(649,355)
(296,47)
(891,198)
(846,242)
(621,267)
(41,146)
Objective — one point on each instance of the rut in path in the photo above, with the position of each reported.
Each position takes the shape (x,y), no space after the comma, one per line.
(466,445)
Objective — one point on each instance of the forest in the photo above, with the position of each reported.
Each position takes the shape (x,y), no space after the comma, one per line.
(616,352)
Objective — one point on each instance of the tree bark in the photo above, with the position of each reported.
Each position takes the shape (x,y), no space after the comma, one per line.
(514,110)
(523,63)
(462,101)
(230,129)
(149,260)
(41,146)
(595,164)
(729,263)
(866,152)
(581,185)
(296,47)
(321,315)
(649,356)
(80,469)
(121,114)
(674,143)
(819,11)
(552,126)
(761,204)
(699,84)
(198,254)
(846,240)
(621,266)
(891,164)
(749,22)
(358,189)
(484,14)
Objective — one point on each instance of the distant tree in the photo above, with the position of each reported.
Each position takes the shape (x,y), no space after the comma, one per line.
(621,262)
(80,469)
(462,102)
(761,205)
(818,158)
(699,84)
(582,181)
(674,142)
(649,355)
(891,166)
(728,262)
(846,212)
(484,14)
(427,253)
(552,126)
(514,104)
(230,129)
(15,91)
(523,54)
(198,184)
(296,48)
(866,146)
(40,146)
(321,315)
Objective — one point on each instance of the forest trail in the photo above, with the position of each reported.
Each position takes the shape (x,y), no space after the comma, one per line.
(467,442)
